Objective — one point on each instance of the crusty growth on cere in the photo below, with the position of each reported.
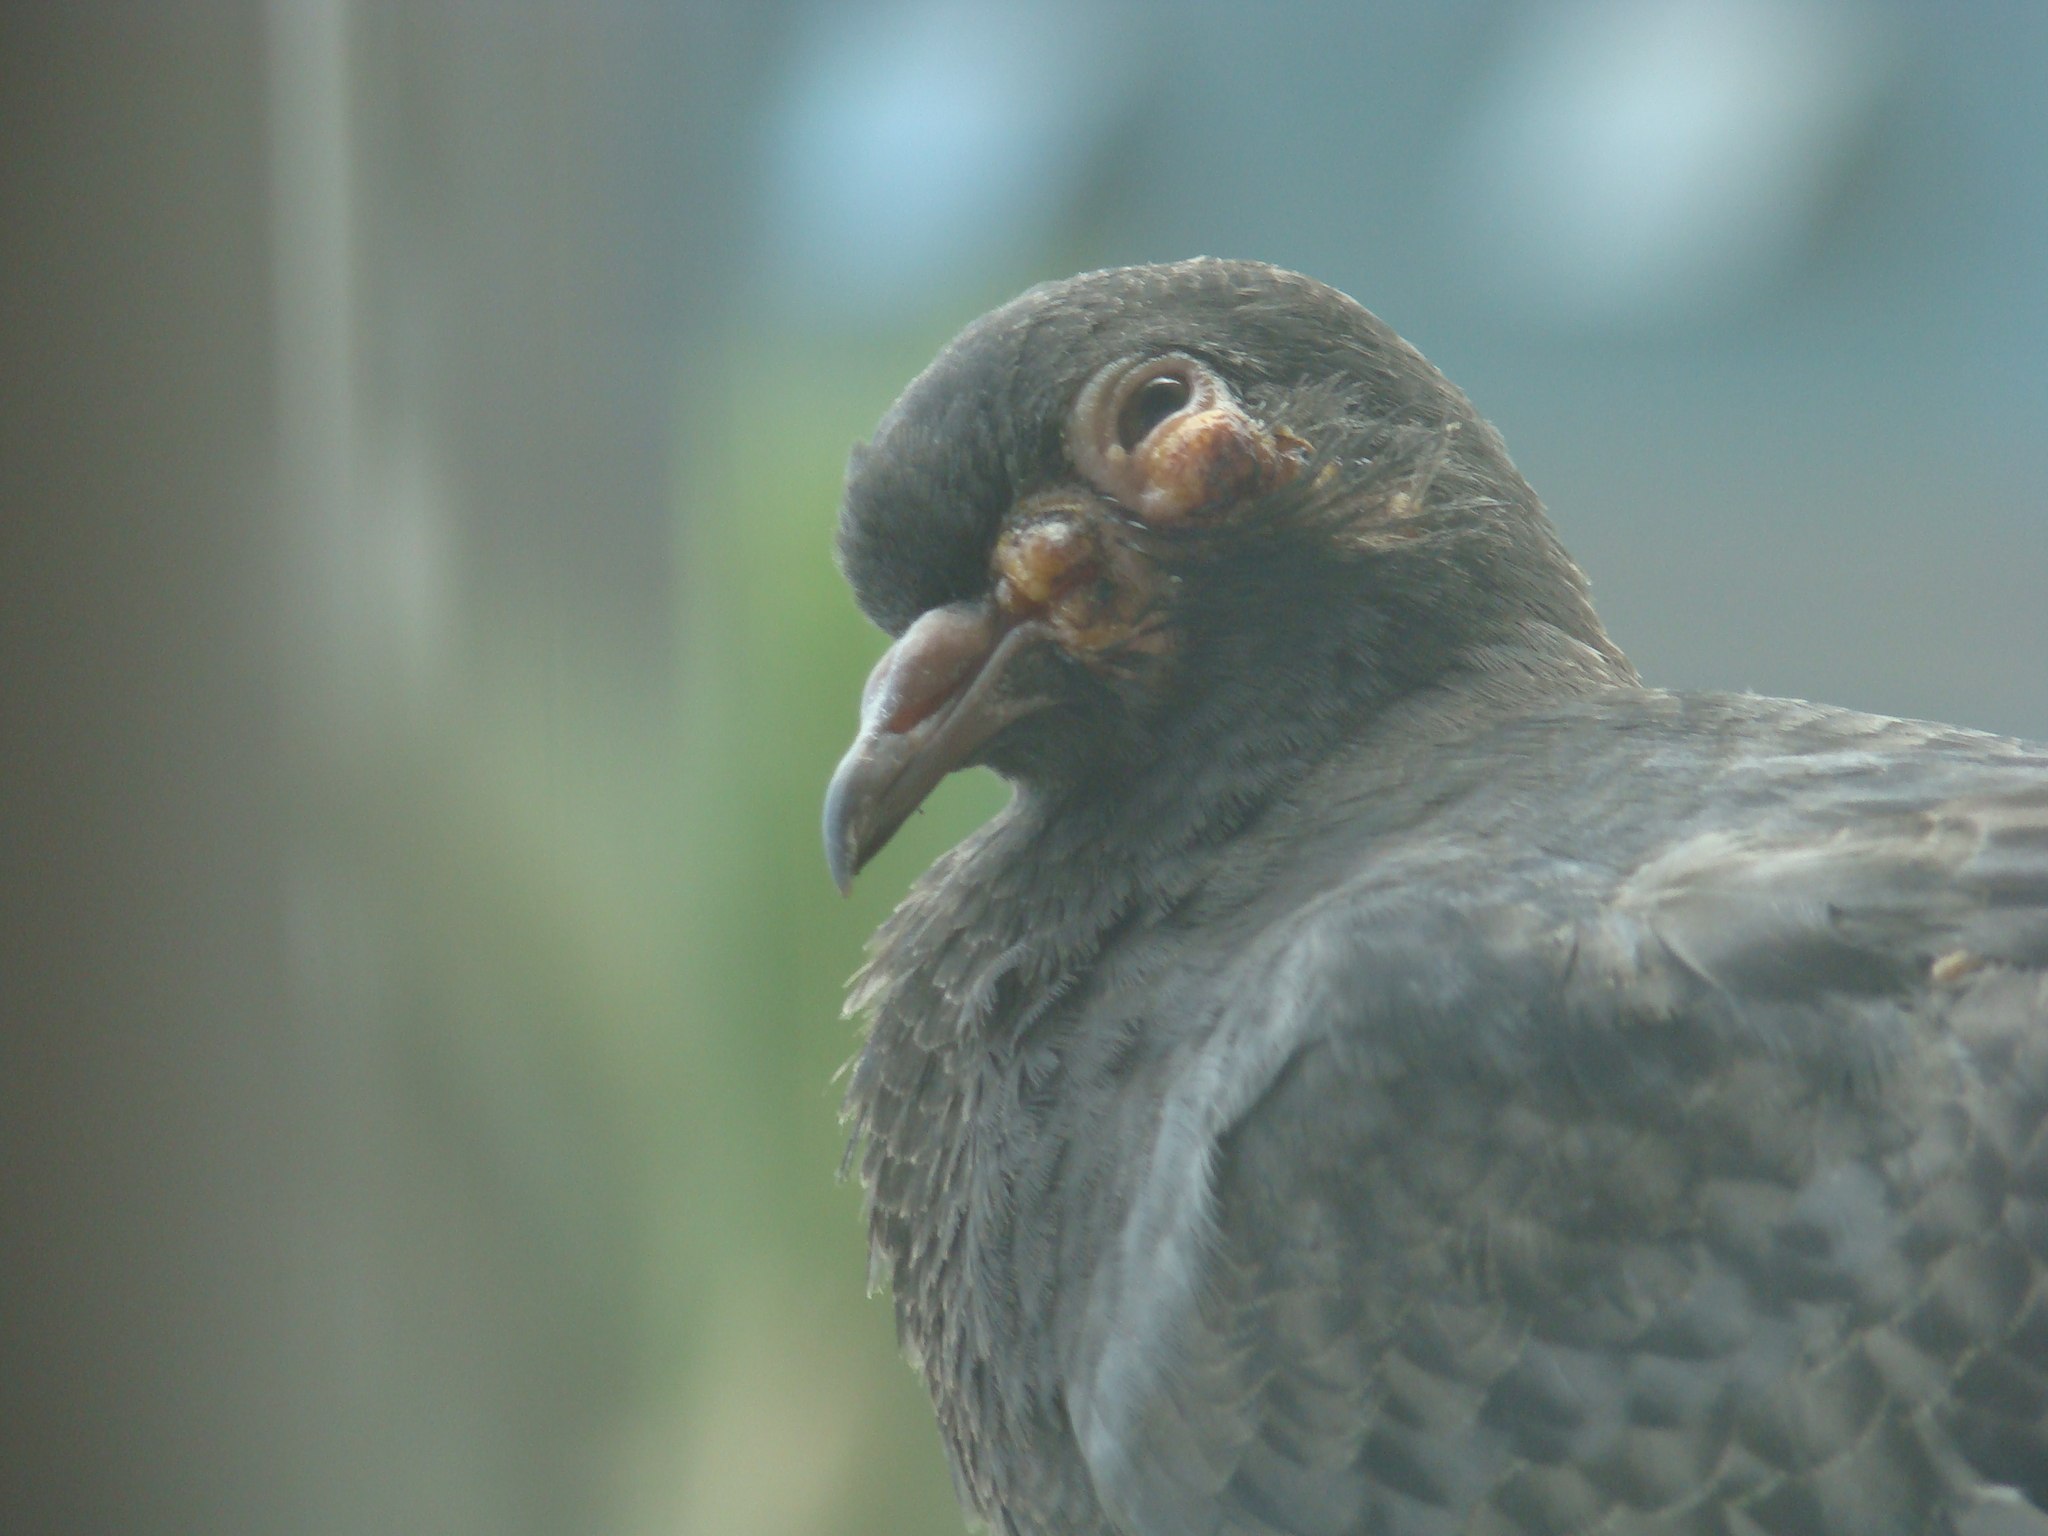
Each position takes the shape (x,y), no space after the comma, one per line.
(1388,1070)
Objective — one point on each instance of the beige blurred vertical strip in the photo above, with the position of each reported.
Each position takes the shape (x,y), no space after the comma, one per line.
(332,1228)
(456,1247)
(314,298)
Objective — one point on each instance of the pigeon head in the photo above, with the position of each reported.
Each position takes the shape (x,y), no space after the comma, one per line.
(1126,515)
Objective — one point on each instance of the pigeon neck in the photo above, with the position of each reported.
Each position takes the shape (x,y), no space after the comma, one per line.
(996,932)
(1234,751)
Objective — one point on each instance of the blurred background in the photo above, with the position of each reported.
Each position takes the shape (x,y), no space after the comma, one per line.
(421,440)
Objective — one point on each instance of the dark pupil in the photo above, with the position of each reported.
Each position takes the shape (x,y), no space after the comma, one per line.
(1154,401)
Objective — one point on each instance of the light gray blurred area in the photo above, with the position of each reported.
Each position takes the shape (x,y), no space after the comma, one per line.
(421,431)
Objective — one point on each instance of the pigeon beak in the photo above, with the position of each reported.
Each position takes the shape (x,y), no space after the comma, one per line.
(933,698)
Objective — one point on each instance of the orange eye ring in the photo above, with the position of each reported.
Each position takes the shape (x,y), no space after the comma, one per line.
(1128,404)
(1164,437)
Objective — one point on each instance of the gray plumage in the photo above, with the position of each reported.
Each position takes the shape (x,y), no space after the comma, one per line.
(1390,1071)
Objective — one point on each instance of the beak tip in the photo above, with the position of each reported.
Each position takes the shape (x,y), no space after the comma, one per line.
(842,859)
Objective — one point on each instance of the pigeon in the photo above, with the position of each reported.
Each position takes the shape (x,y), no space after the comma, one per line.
(1389,1070)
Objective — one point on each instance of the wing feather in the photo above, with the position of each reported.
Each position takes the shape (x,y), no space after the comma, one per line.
(1720,1205)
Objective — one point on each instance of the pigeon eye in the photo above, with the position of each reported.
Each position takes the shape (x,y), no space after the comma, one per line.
(1150,404)
(1162,436)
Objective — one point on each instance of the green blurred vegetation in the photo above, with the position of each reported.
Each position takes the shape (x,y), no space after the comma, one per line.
(789,1409)
(618,963)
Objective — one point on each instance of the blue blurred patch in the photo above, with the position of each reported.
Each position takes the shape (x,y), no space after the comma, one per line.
(930,144)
